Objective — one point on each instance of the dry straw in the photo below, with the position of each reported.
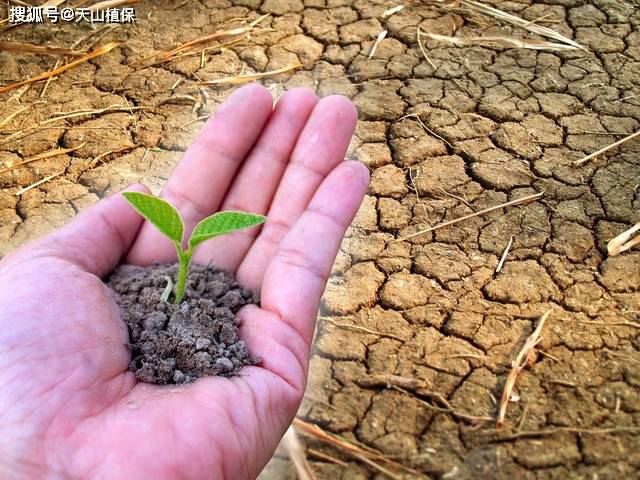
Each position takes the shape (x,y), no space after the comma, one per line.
(504,255)
(57,71)
(42,156)
(499,41)
(218,35)
(18,47)
(624,241)
(38,183)
(379,39)
(521,23)
(296,452)
(607,148)
(239,79)
(387,13)
(525,357)
(519,201)
(362,453)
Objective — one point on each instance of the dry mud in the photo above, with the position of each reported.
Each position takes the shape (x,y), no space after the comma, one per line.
(416,337)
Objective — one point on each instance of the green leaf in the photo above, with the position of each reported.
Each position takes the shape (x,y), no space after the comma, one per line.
(221,223)
(160,213)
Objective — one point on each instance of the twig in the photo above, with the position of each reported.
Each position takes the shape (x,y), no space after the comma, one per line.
(519,201)
(605,149)
(218,35)
(516,367)
(37,184)
(504,256)
(427,129)
(623,242)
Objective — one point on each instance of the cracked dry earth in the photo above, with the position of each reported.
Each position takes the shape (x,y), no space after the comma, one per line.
(416,337)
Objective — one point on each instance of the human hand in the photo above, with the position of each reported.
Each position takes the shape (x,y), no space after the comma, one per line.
(68,406)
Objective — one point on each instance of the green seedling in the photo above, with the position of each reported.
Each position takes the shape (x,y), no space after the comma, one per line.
(168,221)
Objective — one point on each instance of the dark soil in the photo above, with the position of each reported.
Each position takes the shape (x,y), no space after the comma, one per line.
(181,343)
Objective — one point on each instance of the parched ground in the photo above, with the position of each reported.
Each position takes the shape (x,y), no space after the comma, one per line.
(416,337)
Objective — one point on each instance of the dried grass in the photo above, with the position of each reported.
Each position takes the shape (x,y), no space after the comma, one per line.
(328,458)
(624,241)
(499,41)
(18,47)
(524,357)
(379,39)
(446,405)
(390,11)
(388,381)
(96,111)
(622,323)
(98,158)
(607,148)
(358,328)
(503,257)
(297,454)
(424,53)
(13,115)
(37,184)
(362,453)
(42,156)
(215,36)
(521,23)
(240,79)
(57,71)
(553,431)
(519,201)
(29,130)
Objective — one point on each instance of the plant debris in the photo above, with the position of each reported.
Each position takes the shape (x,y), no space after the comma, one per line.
(57,71)
(519,201)
(237,80)
(624,241)
(525,357)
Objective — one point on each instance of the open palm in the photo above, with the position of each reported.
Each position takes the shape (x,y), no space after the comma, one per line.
(68,406)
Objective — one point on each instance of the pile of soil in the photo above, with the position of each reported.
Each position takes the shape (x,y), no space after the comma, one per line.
(181,343)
